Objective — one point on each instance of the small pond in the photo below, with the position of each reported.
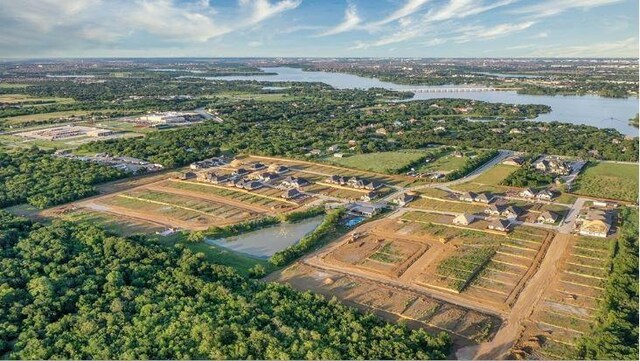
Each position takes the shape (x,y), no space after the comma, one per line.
(265,242)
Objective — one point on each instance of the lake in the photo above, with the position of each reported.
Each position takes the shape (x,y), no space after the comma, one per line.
(264,242)
(586,109)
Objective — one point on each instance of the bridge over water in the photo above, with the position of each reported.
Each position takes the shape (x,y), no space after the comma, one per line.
(458,90)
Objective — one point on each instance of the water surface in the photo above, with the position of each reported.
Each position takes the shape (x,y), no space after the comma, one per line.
(265,242)
(576,109)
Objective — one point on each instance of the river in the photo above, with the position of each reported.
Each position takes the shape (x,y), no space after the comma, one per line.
(576,109)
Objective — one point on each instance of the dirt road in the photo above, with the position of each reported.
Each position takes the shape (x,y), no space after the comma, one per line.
(498,348)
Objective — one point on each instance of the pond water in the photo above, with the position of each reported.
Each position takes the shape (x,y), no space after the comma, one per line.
(264,242)
(587,109)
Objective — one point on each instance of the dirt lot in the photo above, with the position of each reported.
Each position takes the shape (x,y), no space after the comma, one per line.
(567,308)
(416,309)
(164,201)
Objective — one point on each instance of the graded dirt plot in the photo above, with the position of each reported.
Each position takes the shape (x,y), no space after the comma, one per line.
(474,262)
(609,180)
(125,226)
(568,307)
(262,201)
(458,269)
(177,204)
(379,254)
(418,310)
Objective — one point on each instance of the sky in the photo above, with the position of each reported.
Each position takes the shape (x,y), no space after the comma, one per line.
(318,28)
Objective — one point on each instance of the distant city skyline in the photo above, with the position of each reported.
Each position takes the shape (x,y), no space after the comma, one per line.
(317,28)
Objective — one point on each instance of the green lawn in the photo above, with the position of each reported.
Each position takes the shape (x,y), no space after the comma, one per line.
(381,162)
(609,180)
(496,174)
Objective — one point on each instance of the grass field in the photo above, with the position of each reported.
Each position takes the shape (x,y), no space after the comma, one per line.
(381,162)
(447,163)
(22,98)
(496,174)
(609,180)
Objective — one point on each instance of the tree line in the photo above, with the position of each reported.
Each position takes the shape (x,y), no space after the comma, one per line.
(41,179)
(73,291)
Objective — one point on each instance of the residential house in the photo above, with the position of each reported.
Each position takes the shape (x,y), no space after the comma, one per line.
(545,195)
(381,131)
(207,163)
(367,197)
(499,225)
(596,223)
(548,217)
(511,212)
(187,175)
(403,199)
(256,166)
(294,182)
(464,219)
(365,211)
(494,209)
(338,155)
(276,168)
(267,176)
(333,148)
(211,177)
(291,194)
(516,160)
(334,179)
(483,198)
(467,196)
(251,185)
(554,166)
(240,172)
(527,193)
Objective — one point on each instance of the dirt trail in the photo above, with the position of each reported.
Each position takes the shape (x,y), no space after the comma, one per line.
(499,347)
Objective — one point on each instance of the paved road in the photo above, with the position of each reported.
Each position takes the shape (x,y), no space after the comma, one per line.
(503,154)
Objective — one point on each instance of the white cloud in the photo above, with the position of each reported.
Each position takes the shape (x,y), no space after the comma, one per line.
(435,18)
(56,26)
(410,7)
(264,9)
(350,22)
(554,7)
(172,21)
(458,9)
(486,33)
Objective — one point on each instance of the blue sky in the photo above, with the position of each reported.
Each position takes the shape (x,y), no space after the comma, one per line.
(319,28)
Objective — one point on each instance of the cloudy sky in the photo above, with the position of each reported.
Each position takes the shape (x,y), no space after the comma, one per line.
(322,28)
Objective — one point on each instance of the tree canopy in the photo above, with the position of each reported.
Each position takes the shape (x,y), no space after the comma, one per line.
(74,291)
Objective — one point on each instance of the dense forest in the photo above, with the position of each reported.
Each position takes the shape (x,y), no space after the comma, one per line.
(75,292)
(41,179)
(615,335)
(292,128)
